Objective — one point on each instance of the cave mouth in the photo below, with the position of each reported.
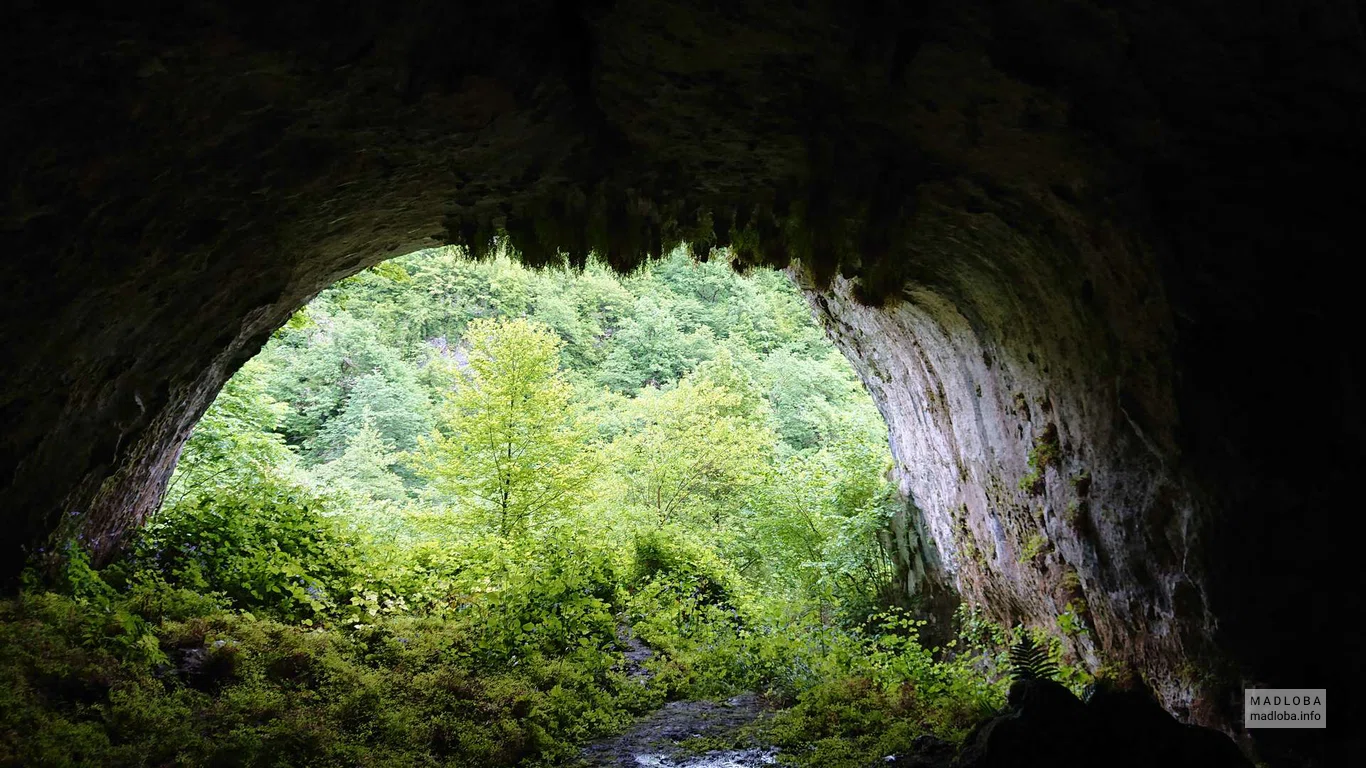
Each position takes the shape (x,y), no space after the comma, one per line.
(464,509)
(437,393)
(605,491)
(1059,242)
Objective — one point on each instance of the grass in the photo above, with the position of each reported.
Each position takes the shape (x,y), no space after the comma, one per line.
(1046,452)
(1034,546)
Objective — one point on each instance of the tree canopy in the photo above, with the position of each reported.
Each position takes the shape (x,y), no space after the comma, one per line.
(510,442)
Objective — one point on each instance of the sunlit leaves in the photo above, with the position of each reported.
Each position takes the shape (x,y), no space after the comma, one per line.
(510,447)
(691,453)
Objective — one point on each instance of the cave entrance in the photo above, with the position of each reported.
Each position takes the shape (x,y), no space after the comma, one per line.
(437,403)
(469,511)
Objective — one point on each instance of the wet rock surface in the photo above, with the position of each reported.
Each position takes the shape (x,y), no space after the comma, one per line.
(655,740)
(748,758)
(1043,462)
(634,654)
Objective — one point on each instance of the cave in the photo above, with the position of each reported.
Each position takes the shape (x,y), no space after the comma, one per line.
(1091,259)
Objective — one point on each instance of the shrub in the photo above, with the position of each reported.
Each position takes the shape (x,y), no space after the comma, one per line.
(229,688)
(269,548)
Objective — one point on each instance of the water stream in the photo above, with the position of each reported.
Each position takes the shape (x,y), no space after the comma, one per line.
(744,758)
(654,741)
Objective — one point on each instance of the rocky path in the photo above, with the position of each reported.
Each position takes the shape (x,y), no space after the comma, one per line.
(654,741)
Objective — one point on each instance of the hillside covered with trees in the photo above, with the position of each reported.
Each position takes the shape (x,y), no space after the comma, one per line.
(425,523)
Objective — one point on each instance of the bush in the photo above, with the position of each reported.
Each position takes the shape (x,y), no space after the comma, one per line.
(889,691)
(226,688)
(553,596)
(269,548)
(671,555)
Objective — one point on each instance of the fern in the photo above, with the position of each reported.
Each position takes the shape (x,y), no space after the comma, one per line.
(1031,661)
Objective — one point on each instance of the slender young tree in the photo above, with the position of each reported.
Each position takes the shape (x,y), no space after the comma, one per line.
(511,446)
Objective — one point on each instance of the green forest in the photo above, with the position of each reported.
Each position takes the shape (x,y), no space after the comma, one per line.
(467,513)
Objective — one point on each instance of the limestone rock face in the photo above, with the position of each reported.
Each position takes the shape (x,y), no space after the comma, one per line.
(1115,237)
(1033,425)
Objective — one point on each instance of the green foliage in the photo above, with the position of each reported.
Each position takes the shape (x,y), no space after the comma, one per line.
(883,690)
(1046,452)
(1072,620)
(1071,580)
(1030,660)
(235,444)
(365,468)
(511,447)
(806,394)
(267,547)
(652,349)
(1074,512)
(215,688)
(412,531)
(379,346)
(814,529)
(316,371)
(689,453)
(1034,546)
(687,604)
(392,405)
(554,598)
(668,554)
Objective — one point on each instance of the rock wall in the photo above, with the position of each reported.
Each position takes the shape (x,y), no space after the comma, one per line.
(1028,393)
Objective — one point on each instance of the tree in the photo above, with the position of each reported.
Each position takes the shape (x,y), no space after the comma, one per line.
(510,445)
(689,454)
(814,527)
(364,467)
(392,402)
(315,369)
(235,444)
(811,396)
(652,348)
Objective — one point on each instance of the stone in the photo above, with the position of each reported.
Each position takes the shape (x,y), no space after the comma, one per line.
(1046,725)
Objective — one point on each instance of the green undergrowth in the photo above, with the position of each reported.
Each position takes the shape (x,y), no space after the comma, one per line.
(155,674)
(887,691)
(120,668)
(417,529)
(843,698)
